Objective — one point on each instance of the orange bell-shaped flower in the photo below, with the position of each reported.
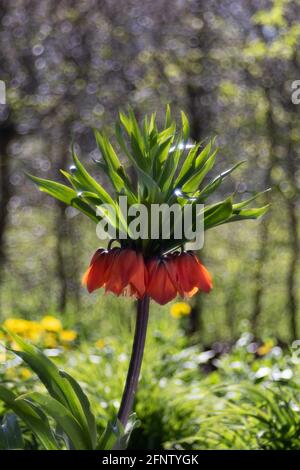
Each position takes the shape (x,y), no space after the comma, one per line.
(127,274)
(191,275)
(176,274)
(96,274)
(120,271)
(160,286)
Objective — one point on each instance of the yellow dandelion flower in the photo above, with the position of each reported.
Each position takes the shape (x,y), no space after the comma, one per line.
(34,331)
(67,336)
(100,343)
(265,348)
(34,326)
(25,373)
(50,340)
(180,309)
(51,323)
(16,325)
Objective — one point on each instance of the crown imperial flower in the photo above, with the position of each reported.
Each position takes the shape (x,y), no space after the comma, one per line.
(162,278)
(120,271)
(168,170)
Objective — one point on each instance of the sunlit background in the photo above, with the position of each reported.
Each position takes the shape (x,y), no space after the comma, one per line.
(70,66)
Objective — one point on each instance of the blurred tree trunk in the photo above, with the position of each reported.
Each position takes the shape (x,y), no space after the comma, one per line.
(65,259)
(264,235)
(263,240)
(281,131)
(74,270)
(200,96)
(292,268)
(67,269)
(60,231)
(264,226)
(230,307)
(196,315)
(292,208)
(7,134)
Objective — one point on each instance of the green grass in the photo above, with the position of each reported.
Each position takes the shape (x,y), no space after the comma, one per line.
(245,401)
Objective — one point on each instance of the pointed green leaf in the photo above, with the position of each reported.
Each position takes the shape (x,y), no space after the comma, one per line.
(64,194)
(245,214)
(203,156)
(136,158)
(113,168)
(253,213)
(58,386)
(193,163)
(138,155)
(112,433)
(152,124)
(10,433)
(87,180)
(86,406)
(185,126)
(35,419)
(187,166)
(246,202)
(126,123)
(194,182)
(166,133)
(135,131)
(220,212)
(168,116)
(107,151)
(57,190)
(211,187)
(124,438)
(170,168)
(121,140)
(62,416)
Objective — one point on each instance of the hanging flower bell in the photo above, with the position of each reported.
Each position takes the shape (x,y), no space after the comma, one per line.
(162,278)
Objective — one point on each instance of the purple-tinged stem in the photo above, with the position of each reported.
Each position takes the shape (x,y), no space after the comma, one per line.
(135,360)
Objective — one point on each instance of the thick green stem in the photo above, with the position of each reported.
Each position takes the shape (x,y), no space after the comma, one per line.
(135,360)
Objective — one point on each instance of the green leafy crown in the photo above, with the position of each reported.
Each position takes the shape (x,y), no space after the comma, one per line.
(167,168)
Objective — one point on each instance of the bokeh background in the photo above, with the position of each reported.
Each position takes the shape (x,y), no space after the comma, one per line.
(72,65)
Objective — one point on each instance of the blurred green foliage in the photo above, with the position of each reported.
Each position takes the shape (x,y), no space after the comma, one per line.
(230,65)
(188,398)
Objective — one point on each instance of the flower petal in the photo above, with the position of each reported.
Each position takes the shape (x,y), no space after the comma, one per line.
(204,277)
(115,282)
(138,277)
(160,286)
(190,274)
(95,275)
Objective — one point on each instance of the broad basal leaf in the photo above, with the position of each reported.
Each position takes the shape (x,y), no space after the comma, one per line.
(63,417)
(58,386)
(33,417)
(10,433)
